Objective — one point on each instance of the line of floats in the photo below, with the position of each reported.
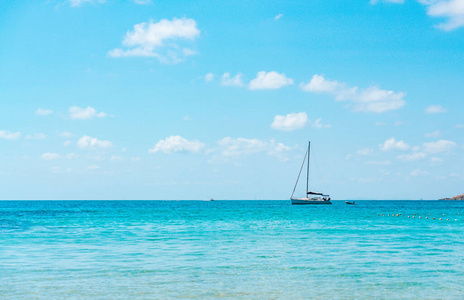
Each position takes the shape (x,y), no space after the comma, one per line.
(419,217)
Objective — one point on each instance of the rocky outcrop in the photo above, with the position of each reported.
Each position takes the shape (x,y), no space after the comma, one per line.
(458,197)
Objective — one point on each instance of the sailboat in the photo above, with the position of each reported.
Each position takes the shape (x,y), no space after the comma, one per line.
(311,197)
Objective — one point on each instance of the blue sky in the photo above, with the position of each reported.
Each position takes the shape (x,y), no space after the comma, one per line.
(190,100)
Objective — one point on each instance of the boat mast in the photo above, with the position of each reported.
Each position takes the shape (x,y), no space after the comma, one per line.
(299,174)
(307,171)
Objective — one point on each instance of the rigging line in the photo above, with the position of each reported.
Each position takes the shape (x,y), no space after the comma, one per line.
(301,169)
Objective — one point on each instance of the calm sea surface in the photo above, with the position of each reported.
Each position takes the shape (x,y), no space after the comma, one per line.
(231,249)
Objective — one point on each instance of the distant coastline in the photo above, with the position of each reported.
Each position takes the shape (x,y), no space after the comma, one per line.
(458,197)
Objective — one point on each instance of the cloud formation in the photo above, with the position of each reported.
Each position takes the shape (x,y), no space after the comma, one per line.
(175,144)
(371,99)
(392,144)
(209,77)
(93,143)
(318,124)
(226,80)
(269,81)
(36,136)
(412,156)
(76,3)
(151,39)
(435,109)
(76,112)
(450,10)
(43,112)
(8,135)
(234,148)
(290,121)
(439,146)
(50,156)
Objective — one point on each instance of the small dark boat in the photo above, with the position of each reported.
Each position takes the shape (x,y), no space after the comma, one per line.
(348,202)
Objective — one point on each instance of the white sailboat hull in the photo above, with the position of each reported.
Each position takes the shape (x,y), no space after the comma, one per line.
(315,200)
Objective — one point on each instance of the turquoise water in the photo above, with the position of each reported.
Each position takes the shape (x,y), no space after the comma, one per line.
(231,249)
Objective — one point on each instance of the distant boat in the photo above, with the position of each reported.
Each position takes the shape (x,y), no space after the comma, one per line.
(210,199)
(348,202)
(311,197)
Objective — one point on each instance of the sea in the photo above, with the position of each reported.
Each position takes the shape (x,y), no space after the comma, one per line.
(231,249)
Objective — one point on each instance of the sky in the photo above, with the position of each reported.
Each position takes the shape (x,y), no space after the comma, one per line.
(197,99)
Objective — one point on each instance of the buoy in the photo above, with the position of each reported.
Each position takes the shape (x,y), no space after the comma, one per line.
(414,214)
(426,217)
(408,216)
(420,217)
(414,217)
(447,219)
(433,219)
(440,219)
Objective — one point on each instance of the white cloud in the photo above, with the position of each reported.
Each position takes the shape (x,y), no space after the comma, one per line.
(43,112)
(278,16)
(116,158)
(8,135)
(36,136)
(433,134)
(290,121)
(371,99)
(65,134)
(150,40)
(67,143)
(90,142)
(318,124)
(436,160)
(176,143)
(412,156)
(365,152)
(209,77)
(226,80)
(234,148)
(435,109)
(76,112)
(439,146)
(378,163)
(76,3)
(240,146)
(392,144)
(142,2)
(94,167)
(270,80)
(50,156)
(419,172)
(452,10)
(71,155)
